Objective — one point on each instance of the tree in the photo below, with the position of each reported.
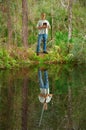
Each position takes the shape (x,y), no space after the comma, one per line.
(24,23)
(9,21)
(69,19)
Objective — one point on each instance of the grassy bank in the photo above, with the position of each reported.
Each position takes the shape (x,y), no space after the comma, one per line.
(13,57)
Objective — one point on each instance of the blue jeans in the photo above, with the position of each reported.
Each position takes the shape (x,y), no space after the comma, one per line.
(40,38)
(43,84)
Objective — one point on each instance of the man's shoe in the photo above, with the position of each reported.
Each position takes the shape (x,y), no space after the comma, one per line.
(45,52)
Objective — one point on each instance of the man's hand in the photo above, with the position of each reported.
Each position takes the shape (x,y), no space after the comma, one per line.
(42,27)
(45,95)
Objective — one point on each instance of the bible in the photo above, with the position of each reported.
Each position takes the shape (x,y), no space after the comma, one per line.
(45,24)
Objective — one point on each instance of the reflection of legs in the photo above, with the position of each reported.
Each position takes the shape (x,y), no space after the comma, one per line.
(44,42)
(40,79)
(39,42)
(46,81)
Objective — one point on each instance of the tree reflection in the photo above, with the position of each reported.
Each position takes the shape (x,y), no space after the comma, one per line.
(69,105)
(24,104)
(6,106)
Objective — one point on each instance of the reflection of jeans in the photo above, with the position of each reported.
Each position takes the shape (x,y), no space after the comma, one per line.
(44,84)
(40,38)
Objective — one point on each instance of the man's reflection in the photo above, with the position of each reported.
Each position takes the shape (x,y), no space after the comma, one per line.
(44,96)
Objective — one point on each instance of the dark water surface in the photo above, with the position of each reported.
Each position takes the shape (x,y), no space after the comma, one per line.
(21,109)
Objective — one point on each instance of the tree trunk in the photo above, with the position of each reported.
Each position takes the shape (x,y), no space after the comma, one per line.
(70,20)
(51,27)
(24,23)
(9,23)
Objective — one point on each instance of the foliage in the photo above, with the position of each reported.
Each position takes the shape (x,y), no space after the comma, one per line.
(5,60)
(19,56)
(58,47)
(61,37)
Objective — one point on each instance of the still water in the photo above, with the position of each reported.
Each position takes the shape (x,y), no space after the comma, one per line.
(43,98)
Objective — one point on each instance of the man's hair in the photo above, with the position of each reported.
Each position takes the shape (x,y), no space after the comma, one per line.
(43,13)
(45,106)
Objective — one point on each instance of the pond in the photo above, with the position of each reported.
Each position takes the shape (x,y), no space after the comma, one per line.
(23,105)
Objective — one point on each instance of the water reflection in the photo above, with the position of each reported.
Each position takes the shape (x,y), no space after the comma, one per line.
(69,105)
(44,96)
(24,92)
(24,103)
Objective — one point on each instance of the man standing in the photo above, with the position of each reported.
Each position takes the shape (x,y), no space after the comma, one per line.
(43,26)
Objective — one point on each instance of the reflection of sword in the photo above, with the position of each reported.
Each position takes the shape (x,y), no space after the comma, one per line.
(41,116)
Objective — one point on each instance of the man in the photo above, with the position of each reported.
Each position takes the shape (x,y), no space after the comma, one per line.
(43,26)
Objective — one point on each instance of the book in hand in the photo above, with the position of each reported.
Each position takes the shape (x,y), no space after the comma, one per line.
(44,24)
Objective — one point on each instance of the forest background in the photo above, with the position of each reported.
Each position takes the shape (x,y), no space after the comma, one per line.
(18,32)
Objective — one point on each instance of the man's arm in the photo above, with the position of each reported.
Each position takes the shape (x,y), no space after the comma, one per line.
(42,27)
